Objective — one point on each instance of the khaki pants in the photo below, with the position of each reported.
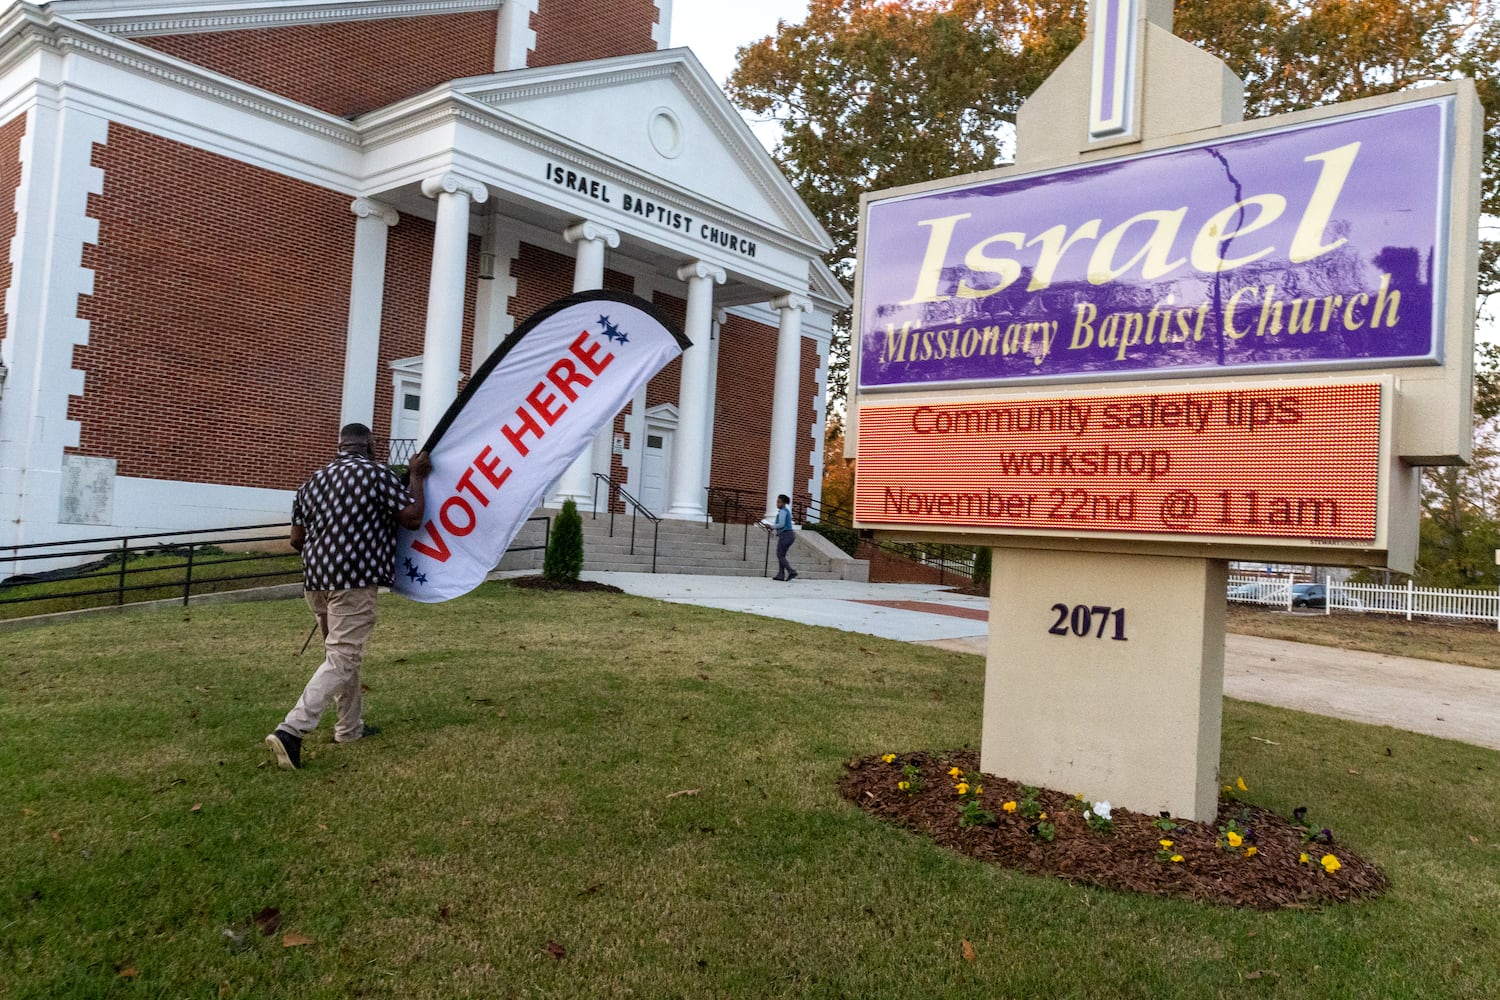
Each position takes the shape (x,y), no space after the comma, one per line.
(347,618)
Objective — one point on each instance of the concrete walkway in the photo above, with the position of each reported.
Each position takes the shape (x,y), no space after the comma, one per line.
(1440,699)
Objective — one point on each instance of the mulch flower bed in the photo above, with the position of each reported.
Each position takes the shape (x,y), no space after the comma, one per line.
(1249,857)
(542,583)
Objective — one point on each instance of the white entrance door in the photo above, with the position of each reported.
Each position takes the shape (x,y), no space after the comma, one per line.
(408,409)
(655,468)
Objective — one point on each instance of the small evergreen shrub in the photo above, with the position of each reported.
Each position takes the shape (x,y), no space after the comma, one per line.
(564,559)
(844,537)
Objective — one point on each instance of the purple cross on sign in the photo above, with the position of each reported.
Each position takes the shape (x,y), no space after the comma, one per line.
(1113,24)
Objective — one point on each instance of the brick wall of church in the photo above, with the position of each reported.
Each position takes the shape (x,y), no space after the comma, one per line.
(742,425)
(666,386)
(577,30)
(350,67)
(746,384)
(218,318)
(11,134)
(809,433)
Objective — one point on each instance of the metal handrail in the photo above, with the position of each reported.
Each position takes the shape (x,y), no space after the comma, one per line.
(730,512)
(193,541)
(924,552)
(733,512)
(189,545)
(132,538)
(615,489)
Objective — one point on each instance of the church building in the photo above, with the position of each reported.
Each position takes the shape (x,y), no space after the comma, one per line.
(228,227)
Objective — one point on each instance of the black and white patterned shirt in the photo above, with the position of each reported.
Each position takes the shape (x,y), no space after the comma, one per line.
(348,509)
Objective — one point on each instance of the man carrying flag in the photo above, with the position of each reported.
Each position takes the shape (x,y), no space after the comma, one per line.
(532,408)
(344,521)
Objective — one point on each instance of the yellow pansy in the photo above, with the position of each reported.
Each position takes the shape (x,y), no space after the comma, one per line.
(1240,784)
(1165,843)
(962,788)
(1251,851)
(1234,839)
(888,757)
(955,772)
(1009,807)
(1302,858)
(1330,863)
(904,785)
(1177,857)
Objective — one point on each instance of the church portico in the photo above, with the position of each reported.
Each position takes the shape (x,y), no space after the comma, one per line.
(586,200)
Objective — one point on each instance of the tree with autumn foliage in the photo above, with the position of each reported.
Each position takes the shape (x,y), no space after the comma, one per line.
(1461,504)
(874,94)
(838,474)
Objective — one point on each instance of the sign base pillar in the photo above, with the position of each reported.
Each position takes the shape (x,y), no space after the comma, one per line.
(1105,676)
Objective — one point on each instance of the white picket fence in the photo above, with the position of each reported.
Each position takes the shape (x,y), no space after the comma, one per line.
(1410,601)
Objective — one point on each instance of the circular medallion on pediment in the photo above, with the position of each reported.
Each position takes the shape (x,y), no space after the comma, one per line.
(665,131)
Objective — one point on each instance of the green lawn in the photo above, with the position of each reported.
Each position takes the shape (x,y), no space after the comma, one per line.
(582,795)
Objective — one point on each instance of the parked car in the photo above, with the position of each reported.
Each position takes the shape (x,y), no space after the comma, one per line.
(1315,595)
(1256,593)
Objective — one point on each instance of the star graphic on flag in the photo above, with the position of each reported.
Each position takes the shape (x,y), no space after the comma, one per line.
(411,571)
(613,332)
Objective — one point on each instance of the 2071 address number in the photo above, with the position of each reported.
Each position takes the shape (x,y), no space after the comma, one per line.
(1083,620)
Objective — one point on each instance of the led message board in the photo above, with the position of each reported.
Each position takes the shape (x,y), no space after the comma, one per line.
(1270,463)
(1311,246)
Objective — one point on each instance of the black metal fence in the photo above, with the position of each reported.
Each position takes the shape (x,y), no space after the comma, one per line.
(103,571)
(126,569)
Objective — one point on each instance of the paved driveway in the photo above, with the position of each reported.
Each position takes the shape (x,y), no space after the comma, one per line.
(1441,699)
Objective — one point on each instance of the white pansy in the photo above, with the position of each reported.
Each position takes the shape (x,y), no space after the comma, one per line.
(1101,809)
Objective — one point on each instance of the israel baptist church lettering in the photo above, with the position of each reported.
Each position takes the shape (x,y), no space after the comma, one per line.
(655,212)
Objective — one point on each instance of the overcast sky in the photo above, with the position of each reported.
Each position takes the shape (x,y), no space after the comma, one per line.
(713,29)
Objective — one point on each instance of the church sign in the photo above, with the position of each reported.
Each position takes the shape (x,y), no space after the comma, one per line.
(1309,247)
(1117,372)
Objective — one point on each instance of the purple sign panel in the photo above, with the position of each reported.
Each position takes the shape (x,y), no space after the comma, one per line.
(1308,247)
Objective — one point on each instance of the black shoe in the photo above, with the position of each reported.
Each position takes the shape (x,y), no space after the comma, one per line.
(287,748)
(778,576)
(791,574)
(367,730)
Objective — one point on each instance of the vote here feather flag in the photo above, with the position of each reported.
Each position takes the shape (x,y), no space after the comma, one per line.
(532,408)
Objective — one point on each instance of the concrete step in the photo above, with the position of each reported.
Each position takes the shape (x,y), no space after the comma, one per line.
(690,547)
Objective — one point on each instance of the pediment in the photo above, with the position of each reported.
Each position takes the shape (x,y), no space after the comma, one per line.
(662,413)
(661,115)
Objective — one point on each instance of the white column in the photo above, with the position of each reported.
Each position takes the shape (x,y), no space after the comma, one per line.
(373,222)
(715,341)
(590,240)
(781,468)
(443,341)
(689,473)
